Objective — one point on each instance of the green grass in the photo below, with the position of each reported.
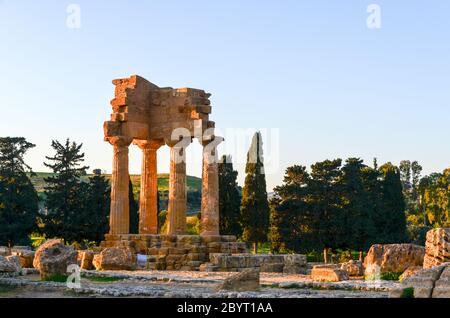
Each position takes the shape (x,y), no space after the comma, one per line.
(58,278)
(103,279)
(408,293)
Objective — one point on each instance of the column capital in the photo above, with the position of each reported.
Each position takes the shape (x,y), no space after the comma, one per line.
(154,144)
(121,141)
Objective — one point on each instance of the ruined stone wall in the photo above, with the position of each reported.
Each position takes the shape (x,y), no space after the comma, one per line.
(176,252)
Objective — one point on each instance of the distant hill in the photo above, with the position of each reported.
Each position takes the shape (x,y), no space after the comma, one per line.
(194,188)
(193,183)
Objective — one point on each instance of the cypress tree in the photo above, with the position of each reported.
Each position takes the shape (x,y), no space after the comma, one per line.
(254,206)
(18,198)
(357,207)
(394,206)
(229,199)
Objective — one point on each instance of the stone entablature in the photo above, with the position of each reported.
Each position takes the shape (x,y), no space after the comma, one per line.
(150,116)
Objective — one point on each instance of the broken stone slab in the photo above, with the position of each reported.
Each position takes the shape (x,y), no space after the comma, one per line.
(394,258)
(247,280)
(327,274)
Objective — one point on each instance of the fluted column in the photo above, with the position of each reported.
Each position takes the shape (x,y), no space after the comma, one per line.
(119,218)
(148,200)
(177,192)
(210,191)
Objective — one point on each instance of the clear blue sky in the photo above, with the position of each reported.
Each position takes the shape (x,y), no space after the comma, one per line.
(312,69)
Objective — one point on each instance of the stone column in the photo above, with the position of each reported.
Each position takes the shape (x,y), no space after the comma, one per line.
(210,191)
(177,192)
(119,218)
(148,200)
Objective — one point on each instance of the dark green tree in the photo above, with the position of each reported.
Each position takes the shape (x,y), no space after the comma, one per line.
(326,199)
(357,207)
(134,210)
(65,193)
(229,199)
(394,224)
(254,206)
(18,198)
(96,213)
(293,223)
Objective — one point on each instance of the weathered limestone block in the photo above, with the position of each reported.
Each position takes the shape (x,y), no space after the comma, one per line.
(26,257)
(324,274)
(247,280)
(15,261)
(7,265)
(409,272)
(394,258)
(442,285)
(353,268)
(294,264)
(53,258)
(85,259)
(115,259)
(423,282)
(437,247)
(272,267)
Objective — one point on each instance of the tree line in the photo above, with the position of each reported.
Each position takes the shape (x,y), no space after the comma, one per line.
(73,208)
(333,205)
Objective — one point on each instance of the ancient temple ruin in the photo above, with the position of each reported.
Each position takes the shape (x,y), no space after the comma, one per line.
(149,116)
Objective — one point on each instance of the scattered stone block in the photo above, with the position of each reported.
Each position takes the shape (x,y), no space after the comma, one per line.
(247,280)
(353,268)
(115,259)
(324,274)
